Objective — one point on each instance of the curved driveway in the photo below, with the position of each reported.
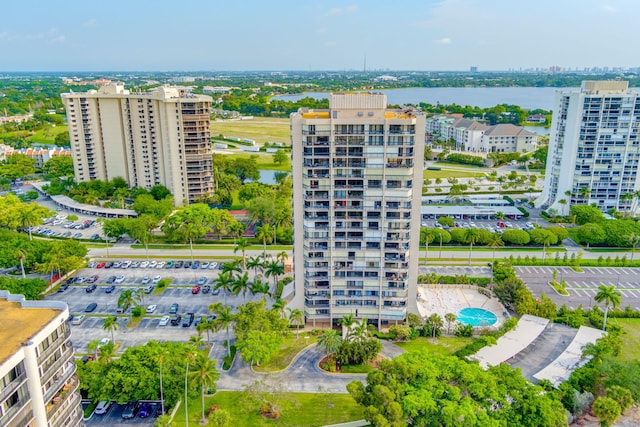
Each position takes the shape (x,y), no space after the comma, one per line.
(303,375)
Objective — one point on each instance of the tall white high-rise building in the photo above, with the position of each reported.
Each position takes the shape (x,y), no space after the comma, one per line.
(38,381)
(357,182)
(147,138)
(594,148)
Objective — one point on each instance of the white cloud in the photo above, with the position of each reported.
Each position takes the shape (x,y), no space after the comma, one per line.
(330,44)
(335,12)
(609,8)
(352,9)
(90,23)
(322,30)
(59,39)
(444,40)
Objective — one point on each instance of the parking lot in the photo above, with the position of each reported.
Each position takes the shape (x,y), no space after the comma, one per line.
(113,417)
(180,292)
(582,287)
(487,224)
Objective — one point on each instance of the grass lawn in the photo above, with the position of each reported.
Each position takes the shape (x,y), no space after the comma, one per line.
(448,165)
(260,129)
(631,338)
(264,161)
(444,345)
(451,173)
(288,350)
(297,409)
(48,134)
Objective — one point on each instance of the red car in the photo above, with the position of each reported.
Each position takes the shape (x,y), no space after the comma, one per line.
(101,265)
(195,289)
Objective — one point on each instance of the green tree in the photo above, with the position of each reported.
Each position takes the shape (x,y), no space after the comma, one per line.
(586,214)
(607,409)
(495,242)
(446,221)
(241,245)
(450,318)
(204,375)
(264,233)
(224,320)
(241,284)
(224,282)
(110,324)
(280,157)
(244,168)
(296,317)
(591,234)
(188,224)
(611,298)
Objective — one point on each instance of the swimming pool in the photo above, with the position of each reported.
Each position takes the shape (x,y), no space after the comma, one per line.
(476,317)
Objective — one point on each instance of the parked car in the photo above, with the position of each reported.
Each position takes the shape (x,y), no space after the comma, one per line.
(174,308)
(126,264)
(91,307)
(92,279)
(169,264)
(148,289)
(195,289)
(77,236)
(156,279)
(202,281)
(111,279)
(206,289)
(135,264)
(215,291)
(151,308)
(102,407)
(153,264)
(101,265)
(204,265)
(119,279)
(187,264)
(164,321)
(130,411)
(195,265)
(213,265)
(144,264)
(92,287)
(144,411)
(187,320)
(63,287)
(178,264)
(117,264)
(77,319)
(160,265)
(145,280)
(110,289)
(175,320)
(109,264)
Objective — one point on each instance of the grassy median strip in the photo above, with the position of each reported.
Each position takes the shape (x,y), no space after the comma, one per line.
(289,349)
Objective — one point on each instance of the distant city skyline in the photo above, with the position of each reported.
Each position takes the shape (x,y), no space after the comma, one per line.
(433,35)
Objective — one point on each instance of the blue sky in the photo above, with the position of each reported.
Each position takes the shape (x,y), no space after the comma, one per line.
(211,35)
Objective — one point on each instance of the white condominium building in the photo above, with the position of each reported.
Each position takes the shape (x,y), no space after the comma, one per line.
(469,135)
(357,181)
(147,138)
(38,382)
(594,148)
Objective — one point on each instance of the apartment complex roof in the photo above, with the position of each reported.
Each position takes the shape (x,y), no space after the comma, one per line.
(19,324)
(507,129)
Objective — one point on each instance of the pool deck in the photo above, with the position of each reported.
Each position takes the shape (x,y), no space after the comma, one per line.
(443,299)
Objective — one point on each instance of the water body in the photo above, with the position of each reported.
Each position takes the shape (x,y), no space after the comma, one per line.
(267,176)
(484,97)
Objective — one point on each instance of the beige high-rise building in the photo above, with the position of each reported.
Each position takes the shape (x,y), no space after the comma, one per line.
(357,182)
(147,138)
(38,382)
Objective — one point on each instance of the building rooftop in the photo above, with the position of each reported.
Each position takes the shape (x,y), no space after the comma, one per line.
(19,324)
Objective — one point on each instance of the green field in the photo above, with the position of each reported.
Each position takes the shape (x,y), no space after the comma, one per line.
(443,345)
(451,173)
(42,136)
(297,409)
(264,161)
(287,352)
(631,337)
(259,129)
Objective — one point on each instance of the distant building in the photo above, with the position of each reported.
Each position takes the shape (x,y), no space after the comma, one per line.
(537,118)
(40,154)
(217,89)
(594,148)
(357,183)
(147,138)
(15,119)
(473,69)
(39,386)
(470,135)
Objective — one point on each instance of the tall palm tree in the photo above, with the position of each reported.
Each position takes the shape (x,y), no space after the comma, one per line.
(584,193)
(161,357)
(224,320)
(241,245)
(260,287)
(611,298)
(495,242)
(547,240)
(231,267)
(265,233)
(21,255)
(205,375)
(330,341)
(436,323)
(450,318)
(106,352)
(428,238)
(280,305)
(189,357)
(274,269)
(296,317)
(242,284)
(125,300)
(224,281)
(196,341)
(282,256)
(256,263)
(360,331)
(471,235)
(111,324)
(634,241)
(30,215)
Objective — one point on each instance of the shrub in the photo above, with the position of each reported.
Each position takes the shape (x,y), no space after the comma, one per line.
(136,311)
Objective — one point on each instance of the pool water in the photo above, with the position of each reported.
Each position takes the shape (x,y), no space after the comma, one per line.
(476,317)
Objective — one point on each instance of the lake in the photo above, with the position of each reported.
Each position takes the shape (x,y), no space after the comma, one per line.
(525,97)
(267,176)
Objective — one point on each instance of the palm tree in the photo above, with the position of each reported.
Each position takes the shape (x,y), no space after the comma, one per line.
(470,235)
(231,267)
(241,284)
(224,320)
(256,264)
(436,322)
(161,357)
(196,341)
(547,240)
(495,242)
(347,321)
(30,215)
(282,256)
(265,233)
(611,297)
(126,300)
(634,241)
(274,269)
(111,324)
(92,347)
(297,317)
(189,357)
(106,352)
(360,332)
(260,287)
(205,375)
(428,238)
(279,305)
(584,193)
(237,229)
(21,255)
(138,295)
(330,341)
(241,245)
(450,318)
(224,281)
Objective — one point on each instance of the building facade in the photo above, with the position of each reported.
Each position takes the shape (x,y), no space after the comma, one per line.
(147,138)
(357,182)
(38,382)
(470,135)
(594,148)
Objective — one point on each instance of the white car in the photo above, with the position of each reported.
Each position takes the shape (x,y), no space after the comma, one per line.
(104,341)
(160,265)
(119,279)
(144,264)
(103,407)
(164,321)
(77,319)
(204,265)
(153,264)
(151,308)
(156,279)
(213,265)
(145,280)
(126,264)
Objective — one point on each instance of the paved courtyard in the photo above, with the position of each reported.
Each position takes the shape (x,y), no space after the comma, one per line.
(583,286)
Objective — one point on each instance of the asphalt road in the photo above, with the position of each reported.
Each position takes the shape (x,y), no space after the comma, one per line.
(583,287)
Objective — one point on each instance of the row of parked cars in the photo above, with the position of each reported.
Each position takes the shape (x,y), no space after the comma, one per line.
(141,409)
(195,265)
